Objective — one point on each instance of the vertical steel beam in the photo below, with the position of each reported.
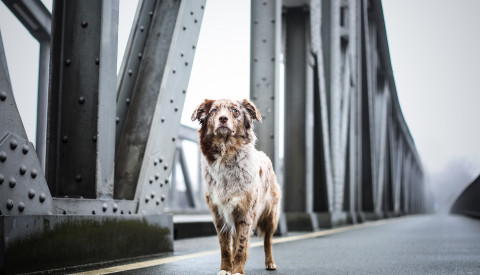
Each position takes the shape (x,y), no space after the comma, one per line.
(296,100)
(81,124)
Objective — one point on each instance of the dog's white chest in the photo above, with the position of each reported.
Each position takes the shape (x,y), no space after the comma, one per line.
(226,210)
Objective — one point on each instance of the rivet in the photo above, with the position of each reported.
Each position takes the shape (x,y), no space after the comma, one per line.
(157,176)
(12,182)
(23,170)
(78,178)
(13,144)
(97,60)
(171,100)
(273,21)
(64,212)
(31,193)
(272,136)
(2,179)
(174,71)
(115,207)
(173,139)
(3,96)
(176,109)
(191,13)
(146,199)
(42,197)
(117,120)
(142,28)
(272,59)
(161,185)
(157,202)
(93,212)
(33,173)
(81,100)
(25,149)
(186,63)
(9,204)
(264,40)
(184,91)
(255,60)
(193,47)
(84,24)
(264,3)
(160,160)
(68,62)
(162,120)
(272,97)
(255,22)
(121,212)
(152,195)
(155,163)
(127,101)
(21,206)
(151,13)
(3,156)
(139,55)
(181,54)
(130,72)
(104,207)
(165,167)
(150,180)
(94,138)
(184,28)
(166,181)
(195,21)
(65,139)
(162,198)
(202,7)
(129,212)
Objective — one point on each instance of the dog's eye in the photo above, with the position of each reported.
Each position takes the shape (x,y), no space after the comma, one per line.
(234,111)
(214,110)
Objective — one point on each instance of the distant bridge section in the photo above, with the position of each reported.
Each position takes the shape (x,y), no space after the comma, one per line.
(99,179)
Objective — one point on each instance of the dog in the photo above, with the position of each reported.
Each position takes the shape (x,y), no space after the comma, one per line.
(241,188)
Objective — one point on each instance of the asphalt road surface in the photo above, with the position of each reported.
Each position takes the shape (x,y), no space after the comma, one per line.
(408,245)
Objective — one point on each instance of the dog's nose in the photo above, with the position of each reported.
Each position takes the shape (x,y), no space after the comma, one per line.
(223,119)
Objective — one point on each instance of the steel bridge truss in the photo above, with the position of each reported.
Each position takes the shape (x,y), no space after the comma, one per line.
(348,153)
(96,186)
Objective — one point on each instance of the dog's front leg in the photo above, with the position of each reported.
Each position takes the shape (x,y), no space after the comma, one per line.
(243,229)
(224,241)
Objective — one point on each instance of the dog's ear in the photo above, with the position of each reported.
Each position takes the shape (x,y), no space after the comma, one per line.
(202,110)
(252,110)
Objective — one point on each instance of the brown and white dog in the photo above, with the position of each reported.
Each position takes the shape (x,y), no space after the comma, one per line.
(240,185)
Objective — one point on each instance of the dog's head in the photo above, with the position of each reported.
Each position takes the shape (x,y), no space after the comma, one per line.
(226,118)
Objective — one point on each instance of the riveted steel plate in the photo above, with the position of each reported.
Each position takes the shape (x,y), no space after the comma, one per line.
(23,189)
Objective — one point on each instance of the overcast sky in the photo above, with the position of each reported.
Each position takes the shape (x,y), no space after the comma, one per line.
(434,47)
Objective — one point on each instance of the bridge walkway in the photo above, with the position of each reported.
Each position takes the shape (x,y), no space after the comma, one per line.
(408,245)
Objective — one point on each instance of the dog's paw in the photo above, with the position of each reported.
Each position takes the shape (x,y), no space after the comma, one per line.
(238,274)
(270,266)
(224,272)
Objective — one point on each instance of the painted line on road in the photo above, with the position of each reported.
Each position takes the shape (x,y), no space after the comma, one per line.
(150,263)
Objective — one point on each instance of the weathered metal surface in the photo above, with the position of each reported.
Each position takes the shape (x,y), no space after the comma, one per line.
(81,117)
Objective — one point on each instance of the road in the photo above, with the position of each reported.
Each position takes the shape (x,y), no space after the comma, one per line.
(407,245)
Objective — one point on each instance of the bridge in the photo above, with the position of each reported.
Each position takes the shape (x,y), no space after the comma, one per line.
(101,183)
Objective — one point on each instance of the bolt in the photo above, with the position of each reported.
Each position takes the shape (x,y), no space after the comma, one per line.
(176,109)
(78,178)
(3,96)
(191,12)
(130,72)
(146,199)
(65,139)
(23,170)
(94,138)
(174,71)
(115,207)
(171,100)
(142,28)
(64,212)
(150,180)
(127,101)
(152,195)
(117,120)
(165,167)
(2,178)
(184,28)
(121,212)
(160,160)
(12,182)
(33,173)
(157,176)
(3,156)
(31,193)
(163,198)
(161,185)
(84,24)
(68,62)
(21,206)
(25,149)
(104,207)
(195,21)
(193,47)
(97,60)
(139,55)
(173,139)
(81,100)
(13,144)
(181,54)
(42,197)
(157,202)
(162,120)
(166,181)
(9,204)
(186,63)
(151,13)
(93,212)
(184,91)
(155,163)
